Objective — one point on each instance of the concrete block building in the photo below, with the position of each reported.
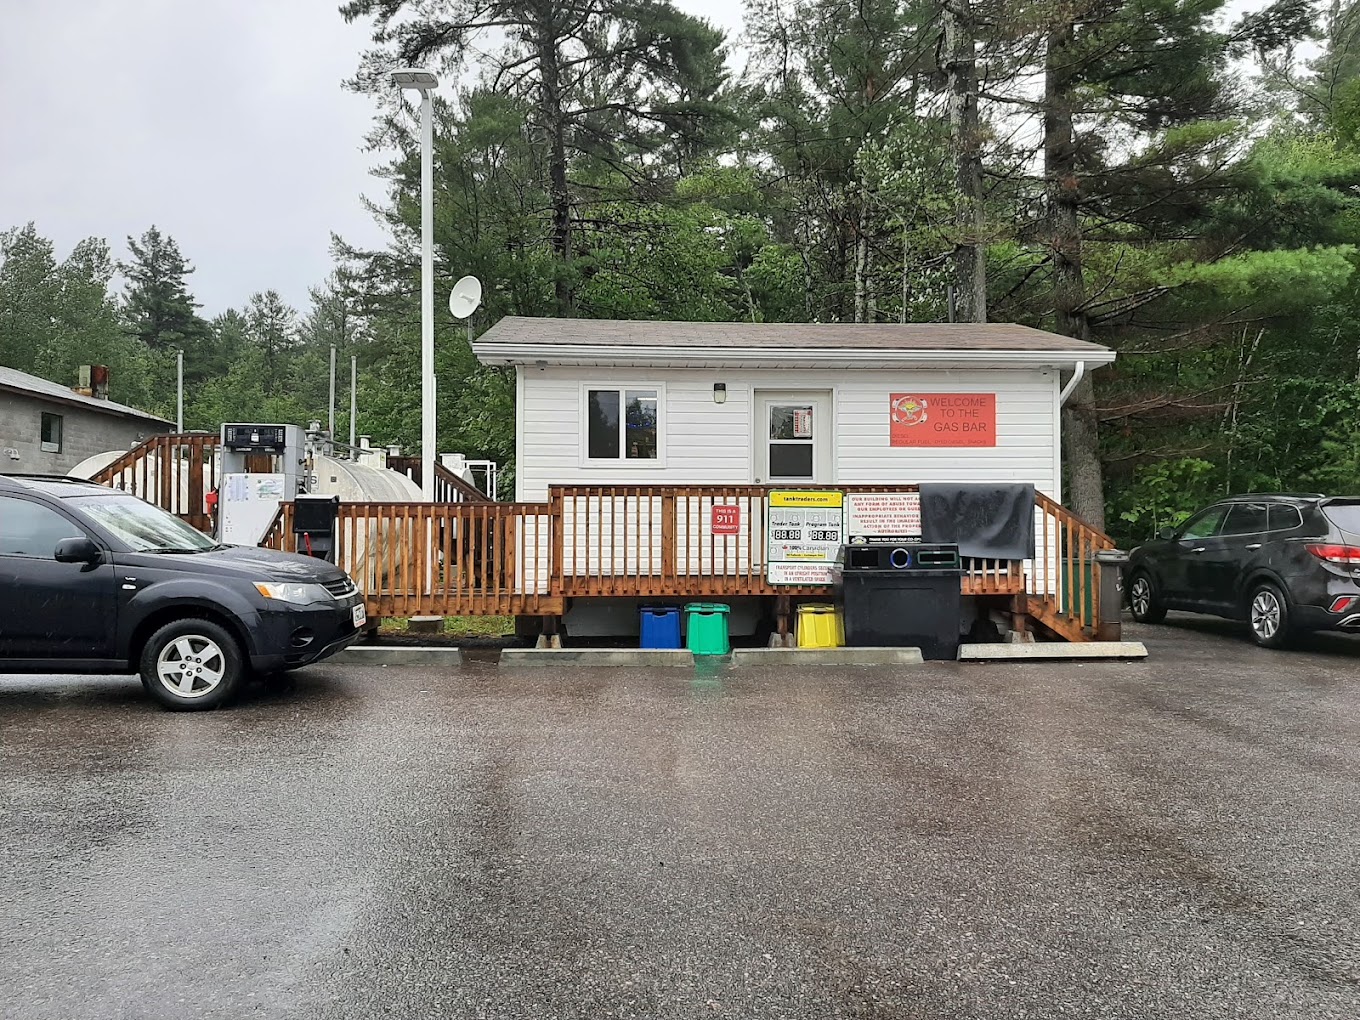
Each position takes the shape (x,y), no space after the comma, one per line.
(47,428)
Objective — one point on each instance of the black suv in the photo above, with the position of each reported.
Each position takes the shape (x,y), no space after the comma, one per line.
(93,580)
(1284,563)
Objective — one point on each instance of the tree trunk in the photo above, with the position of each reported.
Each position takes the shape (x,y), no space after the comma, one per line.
(550,97)
(861,275)
(970,257)
(1080,426)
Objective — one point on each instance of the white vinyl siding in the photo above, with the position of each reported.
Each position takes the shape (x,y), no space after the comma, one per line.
(705,443)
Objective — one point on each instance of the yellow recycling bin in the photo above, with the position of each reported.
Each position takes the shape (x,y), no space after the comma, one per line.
(820,626)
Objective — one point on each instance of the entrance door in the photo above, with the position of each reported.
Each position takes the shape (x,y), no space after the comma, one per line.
(793,438)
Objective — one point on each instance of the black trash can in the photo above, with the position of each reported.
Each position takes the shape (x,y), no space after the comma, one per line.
(899,595)
(314,520)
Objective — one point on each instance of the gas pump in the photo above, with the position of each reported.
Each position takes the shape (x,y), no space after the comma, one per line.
(262,466)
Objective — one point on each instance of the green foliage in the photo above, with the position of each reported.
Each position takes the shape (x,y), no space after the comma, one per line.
(1162,495)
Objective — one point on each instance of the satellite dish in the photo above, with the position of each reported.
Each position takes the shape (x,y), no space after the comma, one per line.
(465,297)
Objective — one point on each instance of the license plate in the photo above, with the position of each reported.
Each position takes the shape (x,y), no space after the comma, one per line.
(360,617)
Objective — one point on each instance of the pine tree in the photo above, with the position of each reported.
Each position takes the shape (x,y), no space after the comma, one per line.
(157,305)
(615,90)
(271,329)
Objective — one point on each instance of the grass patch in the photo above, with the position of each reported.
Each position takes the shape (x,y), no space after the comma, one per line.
(458,626)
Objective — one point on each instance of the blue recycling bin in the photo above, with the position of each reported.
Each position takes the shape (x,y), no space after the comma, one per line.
(659,626)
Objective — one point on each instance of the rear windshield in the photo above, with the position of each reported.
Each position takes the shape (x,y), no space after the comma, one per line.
(1345,516)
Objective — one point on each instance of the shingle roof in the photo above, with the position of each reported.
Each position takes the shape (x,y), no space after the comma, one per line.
(926,336)
(21,382)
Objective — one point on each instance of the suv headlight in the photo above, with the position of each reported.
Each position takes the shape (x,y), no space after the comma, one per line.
(298,594)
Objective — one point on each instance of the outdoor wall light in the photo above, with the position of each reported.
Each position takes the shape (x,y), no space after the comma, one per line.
(719,393)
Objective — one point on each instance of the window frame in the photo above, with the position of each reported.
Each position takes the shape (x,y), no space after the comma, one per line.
(46,445)
(810,442)
(622,461)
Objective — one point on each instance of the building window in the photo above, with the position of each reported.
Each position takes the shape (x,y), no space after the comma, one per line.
(621,424)
(51,433)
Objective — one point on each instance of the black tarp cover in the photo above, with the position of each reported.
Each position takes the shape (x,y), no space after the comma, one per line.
(985,520)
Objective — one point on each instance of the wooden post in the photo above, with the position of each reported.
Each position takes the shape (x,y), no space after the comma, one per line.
(556,580)
(1020,632)
(782,610)
(669,541)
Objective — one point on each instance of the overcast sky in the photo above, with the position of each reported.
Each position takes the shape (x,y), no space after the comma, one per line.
(221,121)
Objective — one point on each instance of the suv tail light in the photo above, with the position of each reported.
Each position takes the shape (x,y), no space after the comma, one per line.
(1343,602)
(1346,555)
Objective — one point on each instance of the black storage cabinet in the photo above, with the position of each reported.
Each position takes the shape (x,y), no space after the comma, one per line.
(314,520)
(899,595)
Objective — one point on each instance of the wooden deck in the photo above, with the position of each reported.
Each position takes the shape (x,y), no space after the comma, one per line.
(646,542)
(462,556)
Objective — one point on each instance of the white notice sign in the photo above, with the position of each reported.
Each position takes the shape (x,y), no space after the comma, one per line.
(870,515)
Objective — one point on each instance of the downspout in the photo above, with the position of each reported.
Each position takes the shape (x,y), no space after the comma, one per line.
(1072,384)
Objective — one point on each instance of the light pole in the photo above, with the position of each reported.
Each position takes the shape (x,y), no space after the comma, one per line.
(425,82)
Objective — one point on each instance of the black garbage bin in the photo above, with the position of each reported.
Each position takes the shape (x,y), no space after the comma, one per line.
(900,595)
(314,520)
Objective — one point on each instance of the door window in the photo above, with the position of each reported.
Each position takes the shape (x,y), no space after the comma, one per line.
(31,529)
(1245,519)
(1205,525)
(790,441)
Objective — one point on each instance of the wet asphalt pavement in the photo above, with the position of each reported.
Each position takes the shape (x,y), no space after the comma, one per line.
(1176,838)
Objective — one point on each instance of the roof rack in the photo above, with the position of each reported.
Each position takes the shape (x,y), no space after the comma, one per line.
(1278,495)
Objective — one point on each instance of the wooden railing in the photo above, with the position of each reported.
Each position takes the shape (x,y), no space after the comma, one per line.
(446,559)
(1062,581)
(448,487)
(172,471)
(657,540)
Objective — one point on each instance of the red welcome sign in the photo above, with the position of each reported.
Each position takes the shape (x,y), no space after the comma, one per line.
(726,519)
(942,419)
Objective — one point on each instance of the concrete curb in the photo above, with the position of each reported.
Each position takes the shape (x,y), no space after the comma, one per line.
(514,658)
(1053,650)
(827,657)
(398,655)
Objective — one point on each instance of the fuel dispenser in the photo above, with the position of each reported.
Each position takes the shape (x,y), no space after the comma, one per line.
(262,466)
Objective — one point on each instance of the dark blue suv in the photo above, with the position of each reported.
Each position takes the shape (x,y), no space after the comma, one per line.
(93,580)
(1284,563)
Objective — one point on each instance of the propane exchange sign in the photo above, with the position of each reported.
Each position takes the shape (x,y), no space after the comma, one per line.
(805,530)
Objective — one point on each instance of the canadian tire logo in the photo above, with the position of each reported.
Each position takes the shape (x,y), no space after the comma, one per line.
(908,410)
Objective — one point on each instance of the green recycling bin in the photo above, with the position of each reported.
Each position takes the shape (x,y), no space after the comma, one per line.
(706,628)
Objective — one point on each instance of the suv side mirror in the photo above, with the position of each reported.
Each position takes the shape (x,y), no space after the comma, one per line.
(1166,534)
(77,550)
